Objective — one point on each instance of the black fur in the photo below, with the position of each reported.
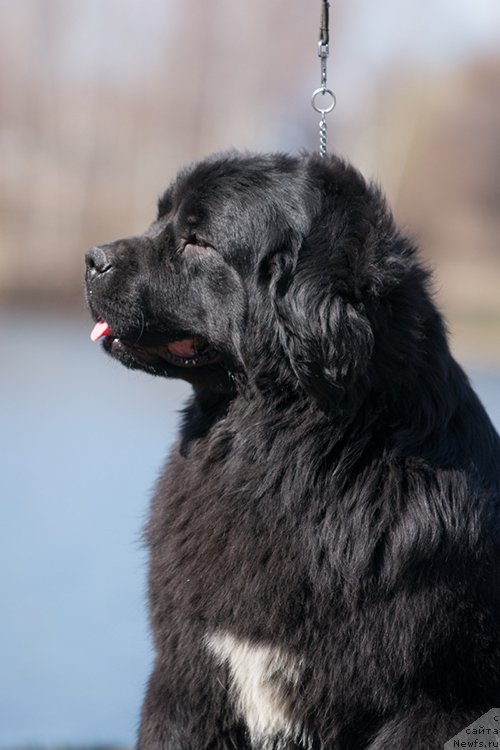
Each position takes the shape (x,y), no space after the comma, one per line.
(334,493)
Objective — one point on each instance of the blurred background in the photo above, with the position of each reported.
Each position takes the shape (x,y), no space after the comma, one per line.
(100,102)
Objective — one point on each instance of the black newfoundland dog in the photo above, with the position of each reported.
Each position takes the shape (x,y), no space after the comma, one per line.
(324,540)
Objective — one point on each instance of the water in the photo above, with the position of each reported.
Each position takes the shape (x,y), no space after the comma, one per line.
(82,442)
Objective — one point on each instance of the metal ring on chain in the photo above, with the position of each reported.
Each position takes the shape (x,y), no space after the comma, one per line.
(323,92)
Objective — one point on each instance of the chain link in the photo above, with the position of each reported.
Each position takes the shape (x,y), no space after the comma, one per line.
(323,90)
(322,137)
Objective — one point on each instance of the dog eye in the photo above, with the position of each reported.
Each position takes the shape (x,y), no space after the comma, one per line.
(194,241)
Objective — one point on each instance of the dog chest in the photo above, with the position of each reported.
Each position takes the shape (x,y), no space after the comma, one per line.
(220,554)
(262,680)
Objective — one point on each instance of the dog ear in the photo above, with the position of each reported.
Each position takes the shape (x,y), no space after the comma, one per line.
(324,330)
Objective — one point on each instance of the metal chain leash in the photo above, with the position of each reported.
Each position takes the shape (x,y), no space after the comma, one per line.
(329,103)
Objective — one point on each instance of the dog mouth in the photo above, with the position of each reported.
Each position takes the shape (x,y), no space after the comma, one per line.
(186,352)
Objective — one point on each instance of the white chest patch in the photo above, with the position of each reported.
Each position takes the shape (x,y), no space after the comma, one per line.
(261,680)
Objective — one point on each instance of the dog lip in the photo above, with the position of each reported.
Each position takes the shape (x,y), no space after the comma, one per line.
(189,351)
(211,356)
(189,347)
(193,352)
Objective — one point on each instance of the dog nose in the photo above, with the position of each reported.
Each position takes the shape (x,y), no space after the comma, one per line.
(98,262)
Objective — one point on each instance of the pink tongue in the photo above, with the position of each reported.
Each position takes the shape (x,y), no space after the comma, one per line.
(183,348)
(100,330)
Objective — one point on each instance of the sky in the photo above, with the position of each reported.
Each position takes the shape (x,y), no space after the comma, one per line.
(408,32)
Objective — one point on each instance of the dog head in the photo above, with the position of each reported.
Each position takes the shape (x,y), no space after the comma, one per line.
(276,270)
